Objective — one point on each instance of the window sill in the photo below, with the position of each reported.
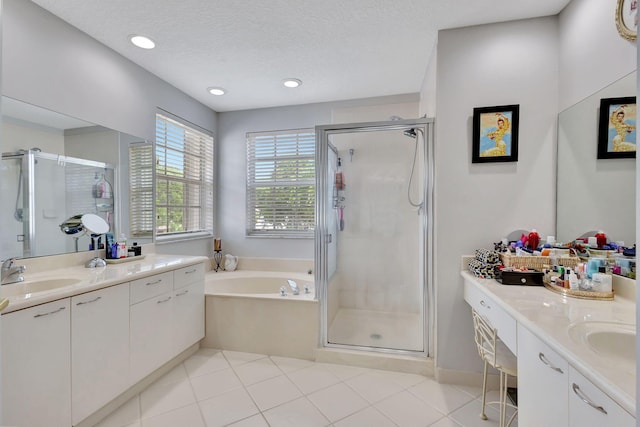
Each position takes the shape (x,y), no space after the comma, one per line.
(183,237)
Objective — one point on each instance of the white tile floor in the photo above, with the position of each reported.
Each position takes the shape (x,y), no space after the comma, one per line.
(226,388)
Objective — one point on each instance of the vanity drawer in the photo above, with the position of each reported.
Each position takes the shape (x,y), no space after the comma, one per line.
(504,324)
(150,287)
(188,275)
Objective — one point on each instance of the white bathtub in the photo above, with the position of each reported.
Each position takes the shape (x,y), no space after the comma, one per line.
(245,312)
(258,284)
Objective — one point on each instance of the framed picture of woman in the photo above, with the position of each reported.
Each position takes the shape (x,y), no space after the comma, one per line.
(627,19)
(617,128)
(495,134)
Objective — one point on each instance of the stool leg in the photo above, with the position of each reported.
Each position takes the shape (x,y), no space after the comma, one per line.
(504,377)
(484,391)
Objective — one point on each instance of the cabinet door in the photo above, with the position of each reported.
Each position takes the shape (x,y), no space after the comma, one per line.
(99,348)
(150,339)
(590,407)
(542,383)
(188,316)
(36,372)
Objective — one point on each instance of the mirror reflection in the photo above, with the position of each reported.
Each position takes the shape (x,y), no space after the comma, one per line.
(55,168)
(593,194)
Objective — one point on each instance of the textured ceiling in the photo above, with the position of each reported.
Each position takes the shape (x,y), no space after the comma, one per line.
(340,49)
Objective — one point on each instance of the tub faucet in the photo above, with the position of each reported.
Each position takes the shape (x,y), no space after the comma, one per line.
(294,287)
(11,273)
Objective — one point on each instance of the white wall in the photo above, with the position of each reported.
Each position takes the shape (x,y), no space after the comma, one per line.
(47,62)
(477,204)
(592,53)
(232,129)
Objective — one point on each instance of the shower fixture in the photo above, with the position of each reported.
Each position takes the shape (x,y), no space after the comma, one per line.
(18,213)
(411,133)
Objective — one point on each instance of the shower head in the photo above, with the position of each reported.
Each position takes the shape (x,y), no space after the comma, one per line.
(411,133)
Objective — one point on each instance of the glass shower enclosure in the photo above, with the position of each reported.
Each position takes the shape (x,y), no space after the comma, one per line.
(374,235)
(46,190)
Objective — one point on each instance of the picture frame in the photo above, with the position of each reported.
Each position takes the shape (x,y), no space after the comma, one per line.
(495,134)
(627,19)
(617,128)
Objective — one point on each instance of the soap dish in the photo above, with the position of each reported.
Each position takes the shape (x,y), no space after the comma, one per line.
(602,296)
(127,259)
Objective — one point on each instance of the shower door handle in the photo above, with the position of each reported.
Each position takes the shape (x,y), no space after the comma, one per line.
(329,238)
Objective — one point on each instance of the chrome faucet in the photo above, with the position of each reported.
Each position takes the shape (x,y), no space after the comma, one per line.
(11,273)
(294,287)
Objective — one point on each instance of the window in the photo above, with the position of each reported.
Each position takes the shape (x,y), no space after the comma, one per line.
(183,178)
(141,190)
(281,183)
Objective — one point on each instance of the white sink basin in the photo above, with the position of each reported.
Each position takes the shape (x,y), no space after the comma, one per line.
(24,288)
(616,342)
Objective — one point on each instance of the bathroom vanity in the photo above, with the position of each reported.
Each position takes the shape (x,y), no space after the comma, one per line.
(576,358)
(74,339)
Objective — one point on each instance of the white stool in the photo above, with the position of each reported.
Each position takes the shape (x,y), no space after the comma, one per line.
(495,353)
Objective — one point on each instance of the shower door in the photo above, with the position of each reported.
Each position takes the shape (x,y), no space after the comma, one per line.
(373,235)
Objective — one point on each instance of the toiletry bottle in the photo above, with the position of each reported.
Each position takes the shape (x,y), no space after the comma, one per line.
(533,240)
(122,246)
(131,252)
(339,176)
(602,280)
(137,250)
(573,281)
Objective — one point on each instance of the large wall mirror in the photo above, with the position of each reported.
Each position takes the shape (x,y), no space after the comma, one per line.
(592,193)
(54,168)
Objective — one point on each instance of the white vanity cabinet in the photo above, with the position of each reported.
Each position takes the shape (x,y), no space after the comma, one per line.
(151,323)
(99,348)
(188,307)
(590,407)
(36,373)
(542,383)
(559,382)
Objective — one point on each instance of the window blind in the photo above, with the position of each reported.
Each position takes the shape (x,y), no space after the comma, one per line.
(141,190)
(183,178)
(281,183)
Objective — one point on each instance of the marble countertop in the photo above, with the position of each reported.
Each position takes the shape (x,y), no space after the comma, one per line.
(91,279)
(549,316)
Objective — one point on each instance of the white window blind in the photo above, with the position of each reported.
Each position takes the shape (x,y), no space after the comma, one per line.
(184,178)
(281,183)
(141,190)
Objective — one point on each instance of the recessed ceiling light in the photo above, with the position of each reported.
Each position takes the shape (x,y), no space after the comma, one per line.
(292,82)
(216,91)
(142,42)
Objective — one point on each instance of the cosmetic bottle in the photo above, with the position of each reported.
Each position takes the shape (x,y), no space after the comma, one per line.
(602,280)
(573,281)
(122,246)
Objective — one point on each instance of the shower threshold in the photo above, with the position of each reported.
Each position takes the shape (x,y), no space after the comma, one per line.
(377,329)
